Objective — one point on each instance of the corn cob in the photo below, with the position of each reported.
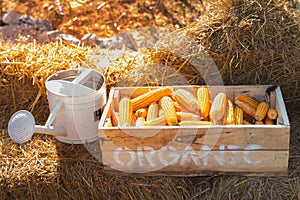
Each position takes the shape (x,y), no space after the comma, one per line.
(140,121)
(141,112)
(109,111)
(230,115)
(186,99)
(261,111)
(238,112)
(247,108)
(132,119)
(125,112)
(135,93)
(159,121)
(107,122)
(204,103)
(268,121)
(272,114)
(152,111)
(146,99)
(246,123)
(259,123)
(170,113)
(184,116)
(195,123)
(115,118)
(161,112)
(116,100)
(177,106)
(218,107)
(251,101)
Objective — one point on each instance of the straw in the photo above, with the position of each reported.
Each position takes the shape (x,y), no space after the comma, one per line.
(251,42)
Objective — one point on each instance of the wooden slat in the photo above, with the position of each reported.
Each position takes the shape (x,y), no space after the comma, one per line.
(116,100)
(107,110)
(280,107)
(195,162)
(183,173)
(267,136)
(273,100)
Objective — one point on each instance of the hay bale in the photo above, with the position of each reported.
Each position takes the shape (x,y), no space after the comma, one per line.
(47,168)
(38,61)
(24,70)
(250,42)
(116,64)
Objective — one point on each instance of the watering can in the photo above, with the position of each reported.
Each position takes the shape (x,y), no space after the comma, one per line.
(76,99)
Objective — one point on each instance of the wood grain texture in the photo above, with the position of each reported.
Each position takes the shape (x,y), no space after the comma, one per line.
(197,162)
(271,138)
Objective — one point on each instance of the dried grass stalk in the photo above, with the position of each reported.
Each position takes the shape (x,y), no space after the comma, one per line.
(250,42)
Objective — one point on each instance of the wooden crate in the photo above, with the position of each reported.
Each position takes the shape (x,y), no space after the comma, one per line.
(202,150)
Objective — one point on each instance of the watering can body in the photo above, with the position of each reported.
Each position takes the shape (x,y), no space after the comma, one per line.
(79,110)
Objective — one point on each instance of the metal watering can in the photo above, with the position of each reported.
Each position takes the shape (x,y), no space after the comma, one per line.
(76,99)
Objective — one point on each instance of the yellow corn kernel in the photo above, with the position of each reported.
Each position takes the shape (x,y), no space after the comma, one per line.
(152,111)
(141,112)
(272,114)
(186,99)
(132,119)
(261,111)
(146,99)
(185,116)
(239,115)
(249,100)
(177,106)
(132,93)
(195,123)
(259,123)
(125,112)
(109,111)
(204,103)
(140,121)
(159,121)
(230,115)
(269,121)
(170,112)
(115,118)
(218,107)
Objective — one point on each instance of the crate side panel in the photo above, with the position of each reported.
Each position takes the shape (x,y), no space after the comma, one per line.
(195,162)
(273,138)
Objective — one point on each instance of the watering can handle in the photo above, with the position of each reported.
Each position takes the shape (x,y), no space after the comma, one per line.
(82,77)
(53,114)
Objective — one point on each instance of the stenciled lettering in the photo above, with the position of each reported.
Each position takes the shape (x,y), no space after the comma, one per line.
(169,155)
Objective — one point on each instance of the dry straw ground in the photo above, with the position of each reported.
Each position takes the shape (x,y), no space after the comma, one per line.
(251,42)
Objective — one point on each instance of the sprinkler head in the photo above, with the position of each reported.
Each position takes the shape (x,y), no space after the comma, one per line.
(21,126)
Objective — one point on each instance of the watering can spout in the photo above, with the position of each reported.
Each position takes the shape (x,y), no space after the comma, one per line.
(50,130)
(21,127)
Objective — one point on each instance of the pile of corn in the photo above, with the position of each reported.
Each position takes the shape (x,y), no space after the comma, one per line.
(172,107)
